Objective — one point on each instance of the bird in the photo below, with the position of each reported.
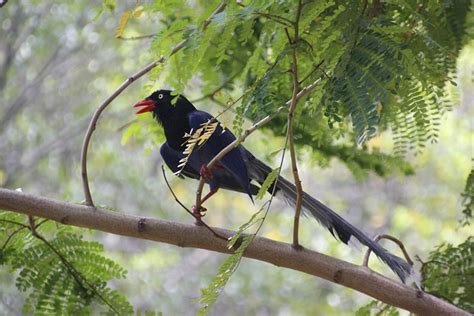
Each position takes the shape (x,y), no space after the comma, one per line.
(239,170)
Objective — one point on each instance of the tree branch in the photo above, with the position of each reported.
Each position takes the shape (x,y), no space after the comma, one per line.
(400,244)
(246,133)
(291,138)
(122,87)
(216,90)
(278,253)
(138,37)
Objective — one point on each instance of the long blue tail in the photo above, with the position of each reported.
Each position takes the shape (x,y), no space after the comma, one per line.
(338,227)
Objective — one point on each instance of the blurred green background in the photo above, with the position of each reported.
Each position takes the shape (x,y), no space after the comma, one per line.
(59,61)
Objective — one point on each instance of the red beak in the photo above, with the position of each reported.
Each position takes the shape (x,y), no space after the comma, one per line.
(147,106)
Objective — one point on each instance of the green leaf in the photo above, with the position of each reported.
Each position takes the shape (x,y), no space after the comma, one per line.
(449,273)
(62,274)
(269,180)
(468,199)
(122,24)
(210,294)
(376,308)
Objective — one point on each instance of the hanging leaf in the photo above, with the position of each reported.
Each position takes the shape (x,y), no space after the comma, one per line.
(122,24)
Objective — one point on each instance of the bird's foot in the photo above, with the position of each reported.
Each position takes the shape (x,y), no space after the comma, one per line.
(205,173)
(199,212)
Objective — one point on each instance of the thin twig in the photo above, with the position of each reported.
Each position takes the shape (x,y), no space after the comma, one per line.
(218,10)
(275,184)
(291,138)
(23,226)
(311,72)
(198,219)
(276,18)
(268,204)
(69,266)
(14,222)
(249,131)
(222,86)
(229,105)
(124,126)
(122,87)
(10,237)
(138,37)
(395,240)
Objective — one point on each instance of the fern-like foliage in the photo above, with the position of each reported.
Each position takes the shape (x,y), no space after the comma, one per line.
(393,74)
(210,294)
(385,64)
(449,273)
(468,199)
(61,273)
(376,308)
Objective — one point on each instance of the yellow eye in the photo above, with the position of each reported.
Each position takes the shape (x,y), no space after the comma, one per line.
(160,96)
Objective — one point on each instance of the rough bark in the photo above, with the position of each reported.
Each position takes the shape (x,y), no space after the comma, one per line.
(280,254)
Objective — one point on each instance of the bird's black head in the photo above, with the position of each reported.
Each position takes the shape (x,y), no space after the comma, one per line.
(160,103)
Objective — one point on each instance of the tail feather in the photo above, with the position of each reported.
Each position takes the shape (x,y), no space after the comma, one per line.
(328,218)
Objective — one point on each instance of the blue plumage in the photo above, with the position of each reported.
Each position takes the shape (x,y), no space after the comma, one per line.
(220,139)
(239,167)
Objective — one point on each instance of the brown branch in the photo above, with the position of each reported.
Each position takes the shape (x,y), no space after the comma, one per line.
(14,223)
(122,87)
(95,118)
(246,133)
(278,253)
(198,219)
(138,37)
(400,244)
(218,10)
(22,227)
(291,137)
(312,71)
(276,18)
(10,237)
(216,90)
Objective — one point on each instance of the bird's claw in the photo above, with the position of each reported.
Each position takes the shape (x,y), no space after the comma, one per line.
(205,172)
(199,212)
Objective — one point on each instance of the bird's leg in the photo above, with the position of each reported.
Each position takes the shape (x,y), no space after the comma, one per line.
(199,210)
(211,193)
(205,172)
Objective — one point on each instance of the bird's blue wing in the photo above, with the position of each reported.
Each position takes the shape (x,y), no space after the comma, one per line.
(221,138)
(172,158)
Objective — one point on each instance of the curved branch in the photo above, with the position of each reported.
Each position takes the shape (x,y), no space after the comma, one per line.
(400,244)
(278,253)
(100,109)
(123,86)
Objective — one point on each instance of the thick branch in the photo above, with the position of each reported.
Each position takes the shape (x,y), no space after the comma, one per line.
(280,254)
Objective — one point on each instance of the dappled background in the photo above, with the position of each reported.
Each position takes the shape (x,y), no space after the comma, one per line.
(58,62)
